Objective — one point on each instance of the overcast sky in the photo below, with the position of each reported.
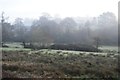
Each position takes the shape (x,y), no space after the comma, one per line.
(63,8)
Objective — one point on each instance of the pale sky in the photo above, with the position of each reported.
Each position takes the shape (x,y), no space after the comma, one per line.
(63,8)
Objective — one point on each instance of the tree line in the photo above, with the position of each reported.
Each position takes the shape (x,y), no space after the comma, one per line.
(47,29)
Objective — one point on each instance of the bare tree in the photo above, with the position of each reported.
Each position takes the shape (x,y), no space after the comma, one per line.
(97,42)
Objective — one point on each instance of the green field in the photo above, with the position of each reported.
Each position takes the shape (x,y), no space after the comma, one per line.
(14,49)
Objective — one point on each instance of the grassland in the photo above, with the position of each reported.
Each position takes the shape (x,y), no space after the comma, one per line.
(46,63)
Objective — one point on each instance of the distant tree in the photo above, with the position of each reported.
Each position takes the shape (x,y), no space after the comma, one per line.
(87,32)
(7,33)
(68,24)
(107,28)
(67,29)
(19,30)
(87,26)
(43,32)
(97,42)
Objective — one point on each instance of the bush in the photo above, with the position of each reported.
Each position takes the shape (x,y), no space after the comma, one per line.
(75,47)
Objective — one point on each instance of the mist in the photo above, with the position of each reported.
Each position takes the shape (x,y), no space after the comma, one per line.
(48,29)
(59,39)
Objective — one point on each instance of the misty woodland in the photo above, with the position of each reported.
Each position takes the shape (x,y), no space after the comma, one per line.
(53,47)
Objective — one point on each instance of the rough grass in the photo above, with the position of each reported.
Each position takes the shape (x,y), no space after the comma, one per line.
(59,64)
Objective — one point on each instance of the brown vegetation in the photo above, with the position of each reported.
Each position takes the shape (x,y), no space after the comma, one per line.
(20,64)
